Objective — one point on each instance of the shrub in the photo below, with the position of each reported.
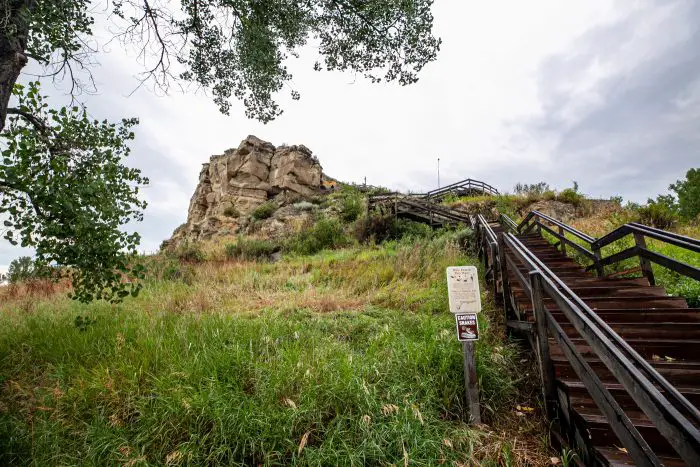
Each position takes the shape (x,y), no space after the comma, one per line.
(251,249)
(660,213)
(549,195)
(381,228)
(177,272)
(351,207)
(571,196)
(190,253)
(264,211)
(324,234)
(305,206)
(231,211)
(465,238)
(404,228)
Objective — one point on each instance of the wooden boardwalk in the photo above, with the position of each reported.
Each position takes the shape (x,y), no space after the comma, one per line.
(619,358)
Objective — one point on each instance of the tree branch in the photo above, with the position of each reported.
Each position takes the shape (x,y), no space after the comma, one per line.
(39,124)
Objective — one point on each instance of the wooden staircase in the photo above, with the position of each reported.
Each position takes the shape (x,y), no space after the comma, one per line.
(661,328)
(619,358)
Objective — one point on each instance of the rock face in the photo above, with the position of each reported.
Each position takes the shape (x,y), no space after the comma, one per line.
(233,184)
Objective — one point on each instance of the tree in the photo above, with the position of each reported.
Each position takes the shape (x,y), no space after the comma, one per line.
(235,48)
(688,192)
(62,181)
(20,269)
(66,193)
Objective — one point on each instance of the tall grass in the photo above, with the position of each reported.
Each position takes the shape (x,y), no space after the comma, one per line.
(344,357)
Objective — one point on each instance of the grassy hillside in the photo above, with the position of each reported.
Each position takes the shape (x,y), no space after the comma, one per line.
(338,358)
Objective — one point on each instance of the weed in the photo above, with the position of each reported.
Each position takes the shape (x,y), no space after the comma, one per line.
(570,196)
(351,206)
(190,253)
(264,211)
(251,249)
(324,234)
(344,357)
(231,211)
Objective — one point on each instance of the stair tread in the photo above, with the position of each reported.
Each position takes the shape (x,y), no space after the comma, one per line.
(617,458)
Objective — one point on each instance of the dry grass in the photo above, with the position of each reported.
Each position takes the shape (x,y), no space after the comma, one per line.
(32,290)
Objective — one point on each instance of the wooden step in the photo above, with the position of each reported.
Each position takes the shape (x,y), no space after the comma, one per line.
(646,330)
(642,315)
(617,457)
(682,374)
(578,392)
(678,349)
(602,435)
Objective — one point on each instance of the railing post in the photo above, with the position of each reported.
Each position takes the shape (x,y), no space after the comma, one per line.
(562,243)
(494,271)
(598,268)
(503,266)
(645,264)
(543,356)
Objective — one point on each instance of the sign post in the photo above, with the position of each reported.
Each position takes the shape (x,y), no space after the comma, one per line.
(465,304)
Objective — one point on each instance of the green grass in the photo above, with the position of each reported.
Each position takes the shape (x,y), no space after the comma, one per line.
(351,350)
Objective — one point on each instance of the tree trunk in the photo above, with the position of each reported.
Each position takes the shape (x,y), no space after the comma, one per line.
(10,66)
(12,50)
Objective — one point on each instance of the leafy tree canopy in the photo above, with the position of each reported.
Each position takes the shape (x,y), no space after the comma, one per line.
(234,48)
(65,192)
(20,269)
(688,192)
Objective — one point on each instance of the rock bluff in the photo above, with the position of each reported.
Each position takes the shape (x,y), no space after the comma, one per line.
(233,184)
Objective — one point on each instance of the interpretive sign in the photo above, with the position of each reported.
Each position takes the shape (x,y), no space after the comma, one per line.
(467,327)
(463,289)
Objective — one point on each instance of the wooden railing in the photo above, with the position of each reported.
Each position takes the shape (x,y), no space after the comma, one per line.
(462,187)
(538,221)
(646,257)
(643,383)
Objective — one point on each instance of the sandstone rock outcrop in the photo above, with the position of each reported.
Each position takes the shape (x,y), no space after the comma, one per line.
(233,184)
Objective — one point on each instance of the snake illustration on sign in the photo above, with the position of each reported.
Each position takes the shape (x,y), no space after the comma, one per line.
(463,289)
(467,327)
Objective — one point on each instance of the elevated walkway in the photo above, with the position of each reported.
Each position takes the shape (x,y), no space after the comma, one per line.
(619,358)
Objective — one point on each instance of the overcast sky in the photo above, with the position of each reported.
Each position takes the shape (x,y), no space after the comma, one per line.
(605,93)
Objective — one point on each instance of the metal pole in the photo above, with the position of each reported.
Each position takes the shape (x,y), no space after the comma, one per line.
(438,172)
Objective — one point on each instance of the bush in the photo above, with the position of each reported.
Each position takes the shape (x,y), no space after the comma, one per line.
(549,195)
(251,249)
(264,211)
(231,211)
(660,213)
(351,207)
(571,196)
(381,228)
(305,206)
(177,272)
(189,253)
(324,234)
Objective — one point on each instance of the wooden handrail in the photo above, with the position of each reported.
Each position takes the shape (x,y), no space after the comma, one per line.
(646,256)
(639,379)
